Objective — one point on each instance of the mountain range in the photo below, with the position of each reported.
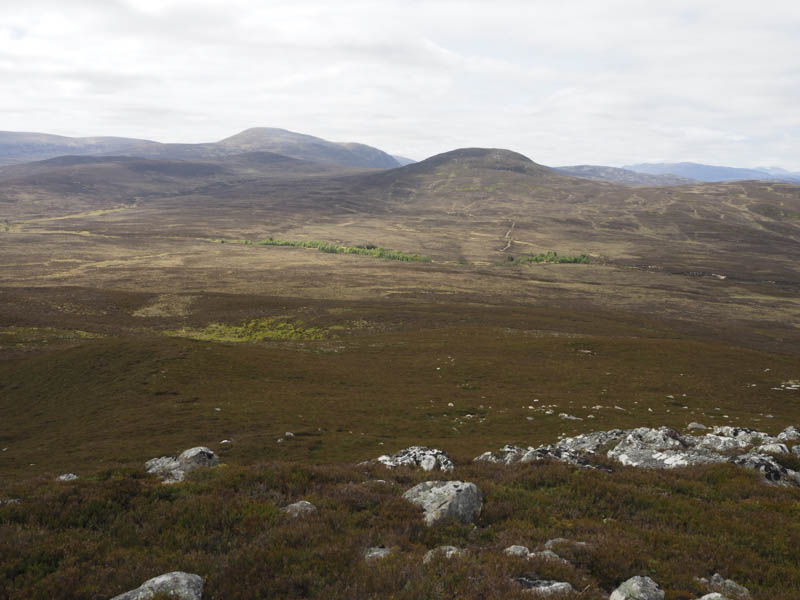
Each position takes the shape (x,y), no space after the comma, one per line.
(713,173)
(24,147)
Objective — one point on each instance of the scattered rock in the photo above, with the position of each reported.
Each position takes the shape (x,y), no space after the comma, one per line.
(713,596)
(376,553)
(796,450)
(725,587)
(178,585)
(446,551)
(773,449)
(515,550)
(547,555)
(507,455)
(67,477)
(544,587)
(772,471)
(442,499)
(664,448)
(694,426)
(299,509)
(10,501)
(638,588)
(555,542)
(173,469)
(427,459)
(790,434)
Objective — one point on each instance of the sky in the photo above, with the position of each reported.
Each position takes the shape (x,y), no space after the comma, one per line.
(564,82)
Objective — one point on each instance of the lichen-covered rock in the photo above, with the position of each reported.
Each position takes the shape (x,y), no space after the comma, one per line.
(507,455)
(790,434)
(67,477)
(445,551)
(178,585)
(665,448)
(544,587)
(695,426)
(376,553)
(556,542)
(419,457)
(714,596)
(662,448)
(299,509)
(638,588)
(772,449)
(515,550)
(772,471)
(727,588)
(460,500)
(725,438)
(173,469)
(555,452)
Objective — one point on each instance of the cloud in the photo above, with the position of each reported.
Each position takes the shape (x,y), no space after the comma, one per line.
(564,82)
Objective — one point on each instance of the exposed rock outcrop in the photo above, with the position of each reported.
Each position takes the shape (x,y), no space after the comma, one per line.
(173,469)
(728,588)
(418,457)
(442,499)
(178,585)
(790,434)
(299,509)
(638,588)
(544,587)
(376,553)
(665,448)
(445,551)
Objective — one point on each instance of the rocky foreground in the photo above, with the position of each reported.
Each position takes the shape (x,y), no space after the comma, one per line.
(462,501)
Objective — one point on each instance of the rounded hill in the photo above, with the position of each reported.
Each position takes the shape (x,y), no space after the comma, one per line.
(496,159)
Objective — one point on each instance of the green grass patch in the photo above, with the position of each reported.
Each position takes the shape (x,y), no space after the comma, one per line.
(551,256)
(255,330)
(362,250)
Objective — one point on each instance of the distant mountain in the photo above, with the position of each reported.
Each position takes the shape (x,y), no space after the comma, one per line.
(16,148)
(307,147)
(403,160)
(708,173)
(783,173)
(21,147)
(623,176)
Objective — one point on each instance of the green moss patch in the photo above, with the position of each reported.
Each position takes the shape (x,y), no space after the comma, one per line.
(255,330)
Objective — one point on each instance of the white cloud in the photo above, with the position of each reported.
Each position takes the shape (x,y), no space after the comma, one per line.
(567,81)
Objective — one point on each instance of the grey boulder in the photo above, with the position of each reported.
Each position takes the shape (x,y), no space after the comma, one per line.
(445,551)
(67,477)
(173,469)
(299,509)
(638,588)
(376,553)
(418,457)
(727,588)
(515,550)
(178,585)
(544,587)
(440,500)
(790,434)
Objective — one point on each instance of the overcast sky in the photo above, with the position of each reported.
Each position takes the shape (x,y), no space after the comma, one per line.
(562,81)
